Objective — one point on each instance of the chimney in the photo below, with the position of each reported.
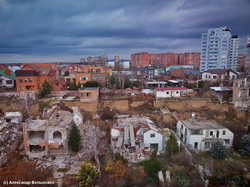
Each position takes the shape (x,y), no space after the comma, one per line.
(193,117)
(7,71)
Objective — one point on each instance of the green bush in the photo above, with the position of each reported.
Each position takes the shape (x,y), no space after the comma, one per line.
(87,174)
(218,151)
(151,168)
(74,138)
(46,89)
(91,84)
(73,86)
(172,145)
(181,179)
(244,146)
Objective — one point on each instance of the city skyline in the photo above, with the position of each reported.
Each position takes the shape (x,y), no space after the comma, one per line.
(49,31)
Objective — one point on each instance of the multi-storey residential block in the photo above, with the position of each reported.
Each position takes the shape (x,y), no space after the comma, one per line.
(219,49)
(124,64)
(241,62)
(241,93)
(92,73)
(199,135)
(247,66)
(165,59)
(32,76)
(140,59)
(90,59)
(192,59)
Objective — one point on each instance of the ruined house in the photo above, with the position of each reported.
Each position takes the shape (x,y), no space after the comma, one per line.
(241,93)
(10,135)
(49,136)
(133,136)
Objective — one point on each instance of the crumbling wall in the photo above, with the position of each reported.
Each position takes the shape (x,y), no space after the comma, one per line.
(86,106)
(120,105)
(12,104)
(136,103)
(191,104)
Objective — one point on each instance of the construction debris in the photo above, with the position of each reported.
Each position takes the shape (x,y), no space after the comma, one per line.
(49,136)
(10,135)
(134,137)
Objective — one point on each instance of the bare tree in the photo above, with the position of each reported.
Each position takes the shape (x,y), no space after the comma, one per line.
(95,141)
(26,103)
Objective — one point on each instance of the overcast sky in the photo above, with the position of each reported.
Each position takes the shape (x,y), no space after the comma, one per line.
(66,30)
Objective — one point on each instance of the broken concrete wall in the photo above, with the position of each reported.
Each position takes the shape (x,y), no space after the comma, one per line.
(58,139)
(86,106)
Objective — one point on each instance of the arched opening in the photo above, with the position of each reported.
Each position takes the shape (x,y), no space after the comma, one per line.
(57,135)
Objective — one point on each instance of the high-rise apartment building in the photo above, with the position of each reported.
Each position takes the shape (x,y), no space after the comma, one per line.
(219,49)
(247,66)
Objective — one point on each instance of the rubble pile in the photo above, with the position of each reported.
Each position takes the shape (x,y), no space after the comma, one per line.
(9,133)
(134,137)
(61,165)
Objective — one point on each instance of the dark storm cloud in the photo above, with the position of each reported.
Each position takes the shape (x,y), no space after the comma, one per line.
(92,27)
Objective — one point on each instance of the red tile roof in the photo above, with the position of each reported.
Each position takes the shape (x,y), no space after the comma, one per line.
(43,70)
(61,81)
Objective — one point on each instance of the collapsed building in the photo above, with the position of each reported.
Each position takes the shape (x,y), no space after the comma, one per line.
(10,135)
(134,137)
(49,135)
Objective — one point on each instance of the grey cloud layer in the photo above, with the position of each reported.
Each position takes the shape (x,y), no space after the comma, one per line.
(91,27)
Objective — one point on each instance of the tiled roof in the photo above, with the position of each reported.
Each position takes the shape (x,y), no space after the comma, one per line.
(11,76)
(170,89)
(61,81)
(20,73)
(89,88)
(191,71)
(218,71)
(43,70)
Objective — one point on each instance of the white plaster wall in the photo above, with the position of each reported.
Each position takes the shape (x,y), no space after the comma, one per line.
(63,131)
(168,93)
(204,74)
(191,138)
(231,74)
(153,140)
(4,82)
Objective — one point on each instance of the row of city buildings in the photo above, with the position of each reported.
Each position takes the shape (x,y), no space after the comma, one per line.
(219,50)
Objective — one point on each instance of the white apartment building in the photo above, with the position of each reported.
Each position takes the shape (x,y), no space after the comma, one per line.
(248,55)
(199,135)
(219,49)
